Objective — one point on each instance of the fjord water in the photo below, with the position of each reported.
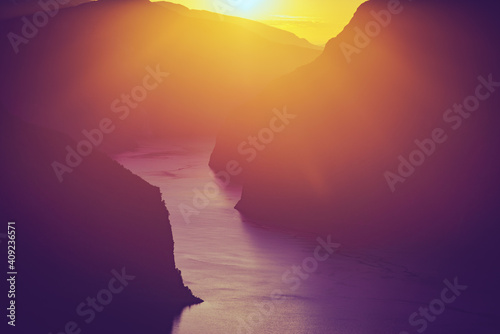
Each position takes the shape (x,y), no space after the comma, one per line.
(235,265)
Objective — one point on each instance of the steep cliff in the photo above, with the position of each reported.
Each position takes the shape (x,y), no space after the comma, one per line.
(102,233)
(394,127)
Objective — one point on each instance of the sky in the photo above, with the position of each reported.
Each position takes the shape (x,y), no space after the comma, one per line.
(315,20)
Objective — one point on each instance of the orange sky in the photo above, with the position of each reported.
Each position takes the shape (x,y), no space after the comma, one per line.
(315,20)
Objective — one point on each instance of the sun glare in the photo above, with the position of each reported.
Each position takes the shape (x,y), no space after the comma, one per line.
(249,6)
(314,20)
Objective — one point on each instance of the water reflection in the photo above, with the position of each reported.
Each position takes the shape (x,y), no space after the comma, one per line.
(241,268)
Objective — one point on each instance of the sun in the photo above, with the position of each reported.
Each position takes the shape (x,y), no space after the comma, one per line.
(250,6)
(242,8)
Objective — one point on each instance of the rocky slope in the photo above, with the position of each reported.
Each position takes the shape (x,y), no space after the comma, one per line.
(80,66)
(102,233)
(353,155)
(387,142)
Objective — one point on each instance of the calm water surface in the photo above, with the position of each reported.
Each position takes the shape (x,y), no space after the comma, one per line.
(235,265)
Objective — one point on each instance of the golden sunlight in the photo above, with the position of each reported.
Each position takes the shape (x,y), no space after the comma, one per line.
(314,20)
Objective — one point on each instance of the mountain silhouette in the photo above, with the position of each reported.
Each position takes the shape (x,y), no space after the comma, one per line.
(212,67)
(373,143)
(268,32)
(360,113)
(102,229)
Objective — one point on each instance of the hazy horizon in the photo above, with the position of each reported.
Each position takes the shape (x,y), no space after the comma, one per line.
(312,20)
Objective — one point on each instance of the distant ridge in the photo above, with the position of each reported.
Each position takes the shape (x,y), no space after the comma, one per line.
(213,66)
(264,30)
